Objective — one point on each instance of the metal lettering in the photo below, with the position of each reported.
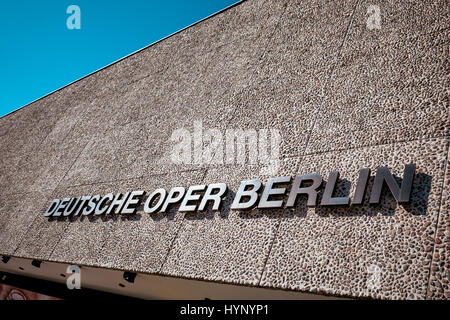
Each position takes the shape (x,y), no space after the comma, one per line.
(132,202)
(402,194)
(118,202)
(162,193)
(90,208)
(174,196)
(102,205)
(82,205)
(237,204)
(269,190)
(361,186)
(328,199)
(52,207)
(311,191)
(62,206)
(191,197)
(246,198)
(217,198)
(71,206)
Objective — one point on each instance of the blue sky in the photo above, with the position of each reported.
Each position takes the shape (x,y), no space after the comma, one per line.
(39,54)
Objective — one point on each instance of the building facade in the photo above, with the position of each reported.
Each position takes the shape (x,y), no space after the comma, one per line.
(301,87)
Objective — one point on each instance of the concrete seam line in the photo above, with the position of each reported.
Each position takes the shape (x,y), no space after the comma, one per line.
(328,80)
(427,291)
(275,234)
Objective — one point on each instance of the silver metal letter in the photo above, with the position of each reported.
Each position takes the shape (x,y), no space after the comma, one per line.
(61,207)
(361,186)
(172,198)
(132,203)
(237,204)
(269,190)
(102,206)
(311,191)
(402,194)
(52,207)
(83,203)
(217,198)
(191,197)
(71,206)
(328,199)
(91,205)
(117,202)
(148,202)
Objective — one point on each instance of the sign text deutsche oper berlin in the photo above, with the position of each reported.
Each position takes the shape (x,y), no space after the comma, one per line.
(247,197)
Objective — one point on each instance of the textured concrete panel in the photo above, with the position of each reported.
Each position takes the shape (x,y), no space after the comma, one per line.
(440,270)
(45,166)
(23,137)
(143,243)
(33,123)
(342,251)
(42,235)
(390,84)
(140,117)
(74,239)
(5,124)
(136,149)
(16,174)
(182,71)
(17,213)
(304,48)
(249,20)
(60,149)
(292,71)
(123,153)
(226,245)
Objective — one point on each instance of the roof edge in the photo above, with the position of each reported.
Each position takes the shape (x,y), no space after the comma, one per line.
(128,55)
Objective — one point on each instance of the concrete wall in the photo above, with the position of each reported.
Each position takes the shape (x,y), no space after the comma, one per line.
(342,96)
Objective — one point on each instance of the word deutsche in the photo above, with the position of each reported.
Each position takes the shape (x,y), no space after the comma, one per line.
(247,197)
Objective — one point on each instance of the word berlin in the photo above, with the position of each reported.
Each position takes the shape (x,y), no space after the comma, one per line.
(273,195)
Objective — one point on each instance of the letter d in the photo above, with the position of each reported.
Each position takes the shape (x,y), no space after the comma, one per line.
(51,209)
